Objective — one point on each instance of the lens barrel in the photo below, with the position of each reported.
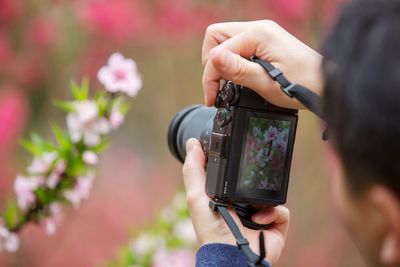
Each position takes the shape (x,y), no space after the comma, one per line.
(190,122)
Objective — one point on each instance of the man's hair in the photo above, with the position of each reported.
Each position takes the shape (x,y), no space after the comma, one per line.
(362,92)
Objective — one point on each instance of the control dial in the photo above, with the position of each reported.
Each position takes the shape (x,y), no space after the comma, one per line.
(223,117)
(227,95)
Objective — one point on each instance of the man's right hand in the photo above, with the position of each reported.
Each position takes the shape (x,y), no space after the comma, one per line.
(227,46)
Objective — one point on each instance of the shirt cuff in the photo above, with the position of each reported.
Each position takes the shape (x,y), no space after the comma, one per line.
(221,255)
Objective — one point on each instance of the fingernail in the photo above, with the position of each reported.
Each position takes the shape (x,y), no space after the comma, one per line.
(190,144)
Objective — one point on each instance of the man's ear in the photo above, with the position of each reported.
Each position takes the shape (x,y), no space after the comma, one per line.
(388,204)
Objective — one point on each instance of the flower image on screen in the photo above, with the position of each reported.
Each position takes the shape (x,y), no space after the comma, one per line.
(264,155)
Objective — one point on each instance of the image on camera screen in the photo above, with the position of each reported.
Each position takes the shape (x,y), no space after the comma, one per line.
(264,156)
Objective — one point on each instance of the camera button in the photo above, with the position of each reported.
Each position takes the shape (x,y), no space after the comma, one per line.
(223,117)
(217,145)
(216,160)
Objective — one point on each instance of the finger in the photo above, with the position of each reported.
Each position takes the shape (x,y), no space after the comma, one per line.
(193,169)
(219,33)
(277,216)
(224,64)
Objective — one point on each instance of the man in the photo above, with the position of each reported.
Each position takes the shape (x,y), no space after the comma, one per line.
(360,84)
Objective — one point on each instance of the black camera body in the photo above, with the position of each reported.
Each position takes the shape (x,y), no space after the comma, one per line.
(248,143)
(249,148)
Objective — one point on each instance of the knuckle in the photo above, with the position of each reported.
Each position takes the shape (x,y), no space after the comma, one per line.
(263,28)
(240,71)
(213,52)
(212,28)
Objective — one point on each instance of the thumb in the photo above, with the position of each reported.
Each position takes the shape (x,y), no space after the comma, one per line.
(193,168)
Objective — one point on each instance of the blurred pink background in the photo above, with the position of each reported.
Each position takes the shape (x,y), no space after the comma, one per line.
(44,44)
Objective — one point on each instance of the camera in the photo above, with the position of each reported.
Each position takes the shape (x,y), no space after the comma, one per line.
(248,143)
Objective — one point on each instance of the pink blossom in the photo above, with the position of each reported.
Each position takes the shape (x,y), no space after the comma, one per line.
(116,119)
(263,184)
(90,158)
(282,140)
(54,218)
(84,123)
(120,75)
(86,111)
(270,134)
(80,191)
(173,258)
(42,164)
(60,166)
(53,180)
(24,187)
(185,231)
(9,241)
(55,175)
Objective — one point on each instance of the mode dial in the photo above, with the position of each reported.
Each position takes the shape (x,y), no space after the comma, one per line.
(223,117)
(227,95)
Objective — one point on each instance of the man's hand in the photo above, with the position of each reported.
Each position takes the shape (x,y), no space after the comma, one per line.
(227,46)
(211,228)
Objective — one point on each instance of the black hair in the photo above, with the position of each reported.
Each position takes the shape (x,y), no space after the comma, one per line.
(361,69)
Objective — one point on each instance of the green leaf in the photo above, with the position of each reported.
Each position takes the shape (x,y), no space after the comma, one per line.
(85,87)
(30,147)
(39,142)
(36,138)
(62,138)
(65,106)
(12,214)
(102,103)
(80,93)
(75,90)
(124,107)
(125,256)
(37,145)
(75,166)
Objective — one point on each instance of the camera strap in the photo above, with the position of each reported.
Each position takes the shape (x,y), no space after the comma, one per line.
(305,96)
(242,243)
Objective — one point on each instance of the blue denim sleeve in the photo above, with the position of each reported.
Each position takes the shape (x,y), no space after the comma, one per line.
(220,255)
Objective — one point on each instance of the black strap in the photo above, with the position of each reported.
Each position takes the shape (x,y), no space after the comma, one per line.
(305,96)
(243,244)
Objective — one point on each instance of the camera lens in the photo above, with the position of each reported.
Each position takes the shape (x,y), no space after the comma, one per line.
(191,122)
